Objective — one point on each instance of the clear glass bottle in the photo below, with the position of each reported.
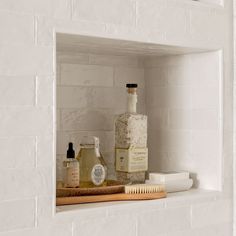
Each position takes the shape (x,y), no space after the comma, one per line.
(93,170)
(132,98)
(71,169)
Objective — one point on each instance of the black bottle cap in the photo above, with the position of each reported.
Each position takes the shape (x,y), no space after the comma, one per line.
(131,85)
(70,151)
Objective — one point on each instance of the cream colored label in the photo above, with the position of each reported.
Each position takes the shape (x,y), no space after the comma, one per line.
(72,177)
(98,174)
(132,160)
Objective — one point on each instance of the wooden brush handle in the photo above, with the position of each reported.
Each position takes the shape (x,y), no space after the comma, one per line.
(108,197)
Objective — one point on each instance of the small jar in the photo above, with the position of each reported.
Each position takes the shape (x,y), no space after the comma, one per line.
(93,170)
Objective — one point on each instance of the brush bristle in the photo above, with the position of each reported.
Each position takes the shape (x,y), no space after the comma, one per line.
(144,188)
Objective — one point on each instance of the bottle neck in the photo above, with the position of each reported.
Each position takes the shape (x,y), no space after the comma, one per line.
(132,103)
(93,147)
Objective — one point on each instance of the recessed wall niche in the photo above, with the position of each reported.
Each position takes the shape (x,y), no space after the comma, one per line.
(179,90)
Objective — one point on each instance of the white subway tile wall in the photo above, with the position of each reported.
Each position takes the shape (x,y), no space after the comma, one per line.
(89,96)
(27,74)
(11,214)
(17,91)
(171,219)
(20,28)
(83,75)
(87,10)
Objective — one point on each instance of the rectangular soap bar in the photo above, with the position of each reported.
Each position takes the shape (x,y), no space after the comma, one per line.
(131,131)
(168,176)
(132,160)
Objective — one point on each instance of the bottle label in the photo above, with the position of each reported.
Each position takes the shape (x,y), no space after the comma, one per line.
(132,160)
(72,176)
(98,174)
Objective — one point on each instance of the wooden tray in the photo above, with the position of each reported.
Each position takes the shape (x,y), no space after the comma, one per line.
(108,197)
(112,187)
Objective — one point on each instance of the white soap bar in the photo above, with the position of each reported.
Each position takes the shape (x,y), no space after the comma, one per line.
(131,131)
(174,185)
(167,176)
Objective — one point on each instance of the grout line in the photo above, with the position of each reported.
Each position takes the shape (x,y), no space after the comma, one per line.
(107,215)
(71,8)
(113,76)
(58,74)
(89,59)
(168,118)
(90,86)
(17,199)
(36,91)
(35,30)
(136,14)
(165,204)
(36,152)
(136,227)
(72,229)
(36,212)
(106,28)
(60,126)
(54,57)
(191,216)
(14,231)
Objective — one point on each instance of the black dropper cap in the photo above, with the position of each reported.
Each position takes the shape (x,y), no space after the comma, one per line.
(70,151)
(131,85)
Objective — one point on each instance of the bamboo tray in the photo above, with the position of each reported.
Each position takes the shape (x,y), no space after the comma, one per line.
(108,197)
(112,187)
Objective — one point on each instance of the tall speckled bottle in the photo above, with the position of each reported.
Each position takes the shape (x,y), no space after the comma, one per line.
(131,141)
